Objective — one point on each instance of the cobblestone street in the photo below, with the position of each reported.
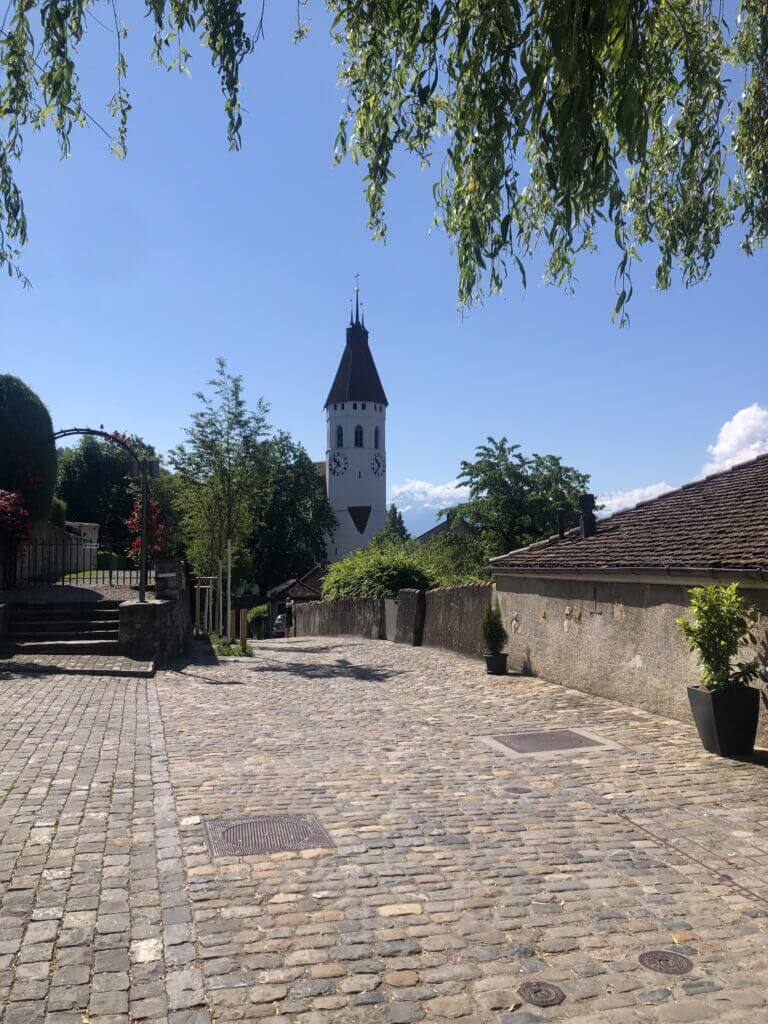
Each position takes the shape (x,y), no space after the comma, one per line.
(459,872)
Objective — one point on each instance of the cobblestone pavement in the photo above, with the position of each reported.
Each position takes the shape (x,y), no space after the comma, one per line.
(458,872)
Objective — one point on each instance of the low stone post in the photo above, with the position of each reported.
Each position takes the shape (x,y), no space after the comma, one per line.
(409,628)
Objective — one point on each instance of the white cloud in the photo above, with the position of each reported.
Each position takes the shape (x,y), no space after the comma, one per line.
(420,494)
(742,437)
(627,499)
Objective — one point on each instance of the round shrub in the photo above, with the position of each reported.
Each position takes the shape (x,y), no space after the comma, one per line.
(28,451)
(371,573)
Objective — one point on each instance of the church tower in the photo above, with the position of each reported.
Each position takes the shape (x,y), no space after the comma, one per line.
(356,466)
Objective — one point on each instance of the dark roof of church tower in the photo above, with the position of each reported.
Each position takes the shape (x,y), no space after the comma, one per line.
(357,379)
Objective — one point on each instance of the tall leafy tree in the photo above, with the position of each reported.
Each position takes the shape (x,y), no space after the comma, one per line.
(292,517)
(513,498)
(546,118)
(218,470)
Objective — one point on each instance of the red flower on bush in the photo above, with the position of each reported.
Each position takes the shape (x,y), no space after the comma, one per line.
(155,529)
(15,524)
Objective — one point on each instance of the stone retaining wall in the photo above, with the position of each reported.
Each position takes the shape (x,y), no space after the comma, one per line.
(453,617)
(447,617)
(345,616)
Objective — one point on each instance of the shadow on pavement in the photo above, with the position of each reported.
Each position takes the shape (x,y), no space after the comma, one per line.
(341,668)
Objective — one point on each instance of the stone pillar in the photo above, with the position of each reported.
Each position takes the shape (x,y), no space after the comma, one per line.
(409,628)
(143,629)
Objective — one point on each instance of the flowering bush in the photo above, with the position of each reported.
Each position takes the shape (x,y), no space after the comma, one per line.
(15,523)
(155,529)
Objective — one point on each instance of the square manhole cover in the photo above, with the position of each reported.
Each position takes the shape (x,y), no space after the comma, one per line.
(544,742)
(266,833)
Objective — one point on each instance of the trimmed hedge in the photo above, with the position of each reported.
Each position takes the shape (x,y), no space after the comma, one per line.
(28,451)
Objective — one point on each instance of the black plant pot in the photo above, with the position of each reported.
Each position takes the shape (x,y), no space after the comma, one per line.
(726,719)
(496,664)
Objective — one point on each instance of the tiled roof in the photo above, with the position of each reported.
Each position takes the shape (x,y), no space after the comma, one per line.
(717,523)
(309,586)
(458,525)
(357,379)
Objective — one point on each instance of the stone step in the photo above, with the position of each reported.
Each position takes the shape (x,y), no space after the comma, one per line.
(97,647)
(44,636)
(62,625)
(65,607)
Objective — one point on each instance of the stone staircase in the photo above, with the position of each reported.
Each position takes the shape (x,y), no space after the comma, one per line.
(84,628)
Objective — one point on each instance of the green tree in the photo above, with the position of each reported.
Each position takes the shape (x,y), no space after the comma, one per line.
(219,470)
(456,556)
(513,498)
(546,118)
(394,526)
(27,448)
(292,515)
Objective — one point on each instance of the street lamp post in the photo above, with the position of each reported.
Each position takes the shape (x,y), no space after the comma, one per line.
(143,562)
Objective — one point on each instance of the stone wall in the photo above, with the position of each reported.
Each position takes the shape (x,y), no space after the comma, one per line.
(453,617)
(345,616)
(617,640)
(161,628)
(447,617)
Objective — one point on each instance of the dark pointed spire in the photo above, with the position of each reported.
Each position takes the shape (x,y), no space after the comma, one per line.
(357,377)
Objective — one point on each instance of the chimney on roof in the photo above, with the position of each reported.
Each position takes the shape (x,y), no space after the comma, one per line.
(560,521)
(588,521)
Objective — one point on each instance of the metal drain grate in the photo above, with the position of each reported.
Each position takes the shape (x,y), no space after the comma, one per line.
(267,833)
(541,993)
(665,962)
(545,742)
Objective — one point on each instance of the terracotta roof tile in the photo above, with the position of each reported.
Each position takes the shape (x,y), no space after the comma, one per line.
(719,522)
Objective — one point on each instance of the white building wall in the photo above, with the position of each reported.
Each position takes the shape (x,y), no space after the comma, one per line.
(351,473)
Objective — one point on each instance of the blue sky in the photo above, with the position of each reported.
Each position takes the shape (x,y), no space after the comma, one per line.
(144,271)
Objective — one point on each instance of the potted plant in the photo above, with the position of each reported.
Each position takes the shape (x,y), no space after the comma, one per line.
(494,638)
(725,707)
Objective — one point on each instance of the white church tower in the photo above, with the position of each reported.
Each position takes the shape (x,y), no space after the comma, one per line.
(356,465)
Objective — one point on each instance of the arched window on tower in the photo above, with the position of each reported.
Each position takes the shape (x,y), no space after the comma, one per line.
(339,437)
(376,437)
(358,436)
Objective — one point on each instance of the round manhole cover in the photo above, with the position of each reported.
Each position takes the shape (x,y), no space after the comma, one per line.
(541,993)
(665,962)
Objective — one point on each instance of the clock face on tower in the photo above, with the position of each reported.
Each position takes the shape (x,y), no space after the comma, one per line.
(338,463)
(378,464)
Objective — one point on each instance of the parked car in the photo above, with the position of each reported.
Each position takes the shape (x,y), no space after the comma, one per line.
(279,625)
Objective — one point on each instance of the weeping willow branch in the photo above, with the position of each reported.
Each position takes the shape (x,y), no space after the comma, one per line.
(545,120)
